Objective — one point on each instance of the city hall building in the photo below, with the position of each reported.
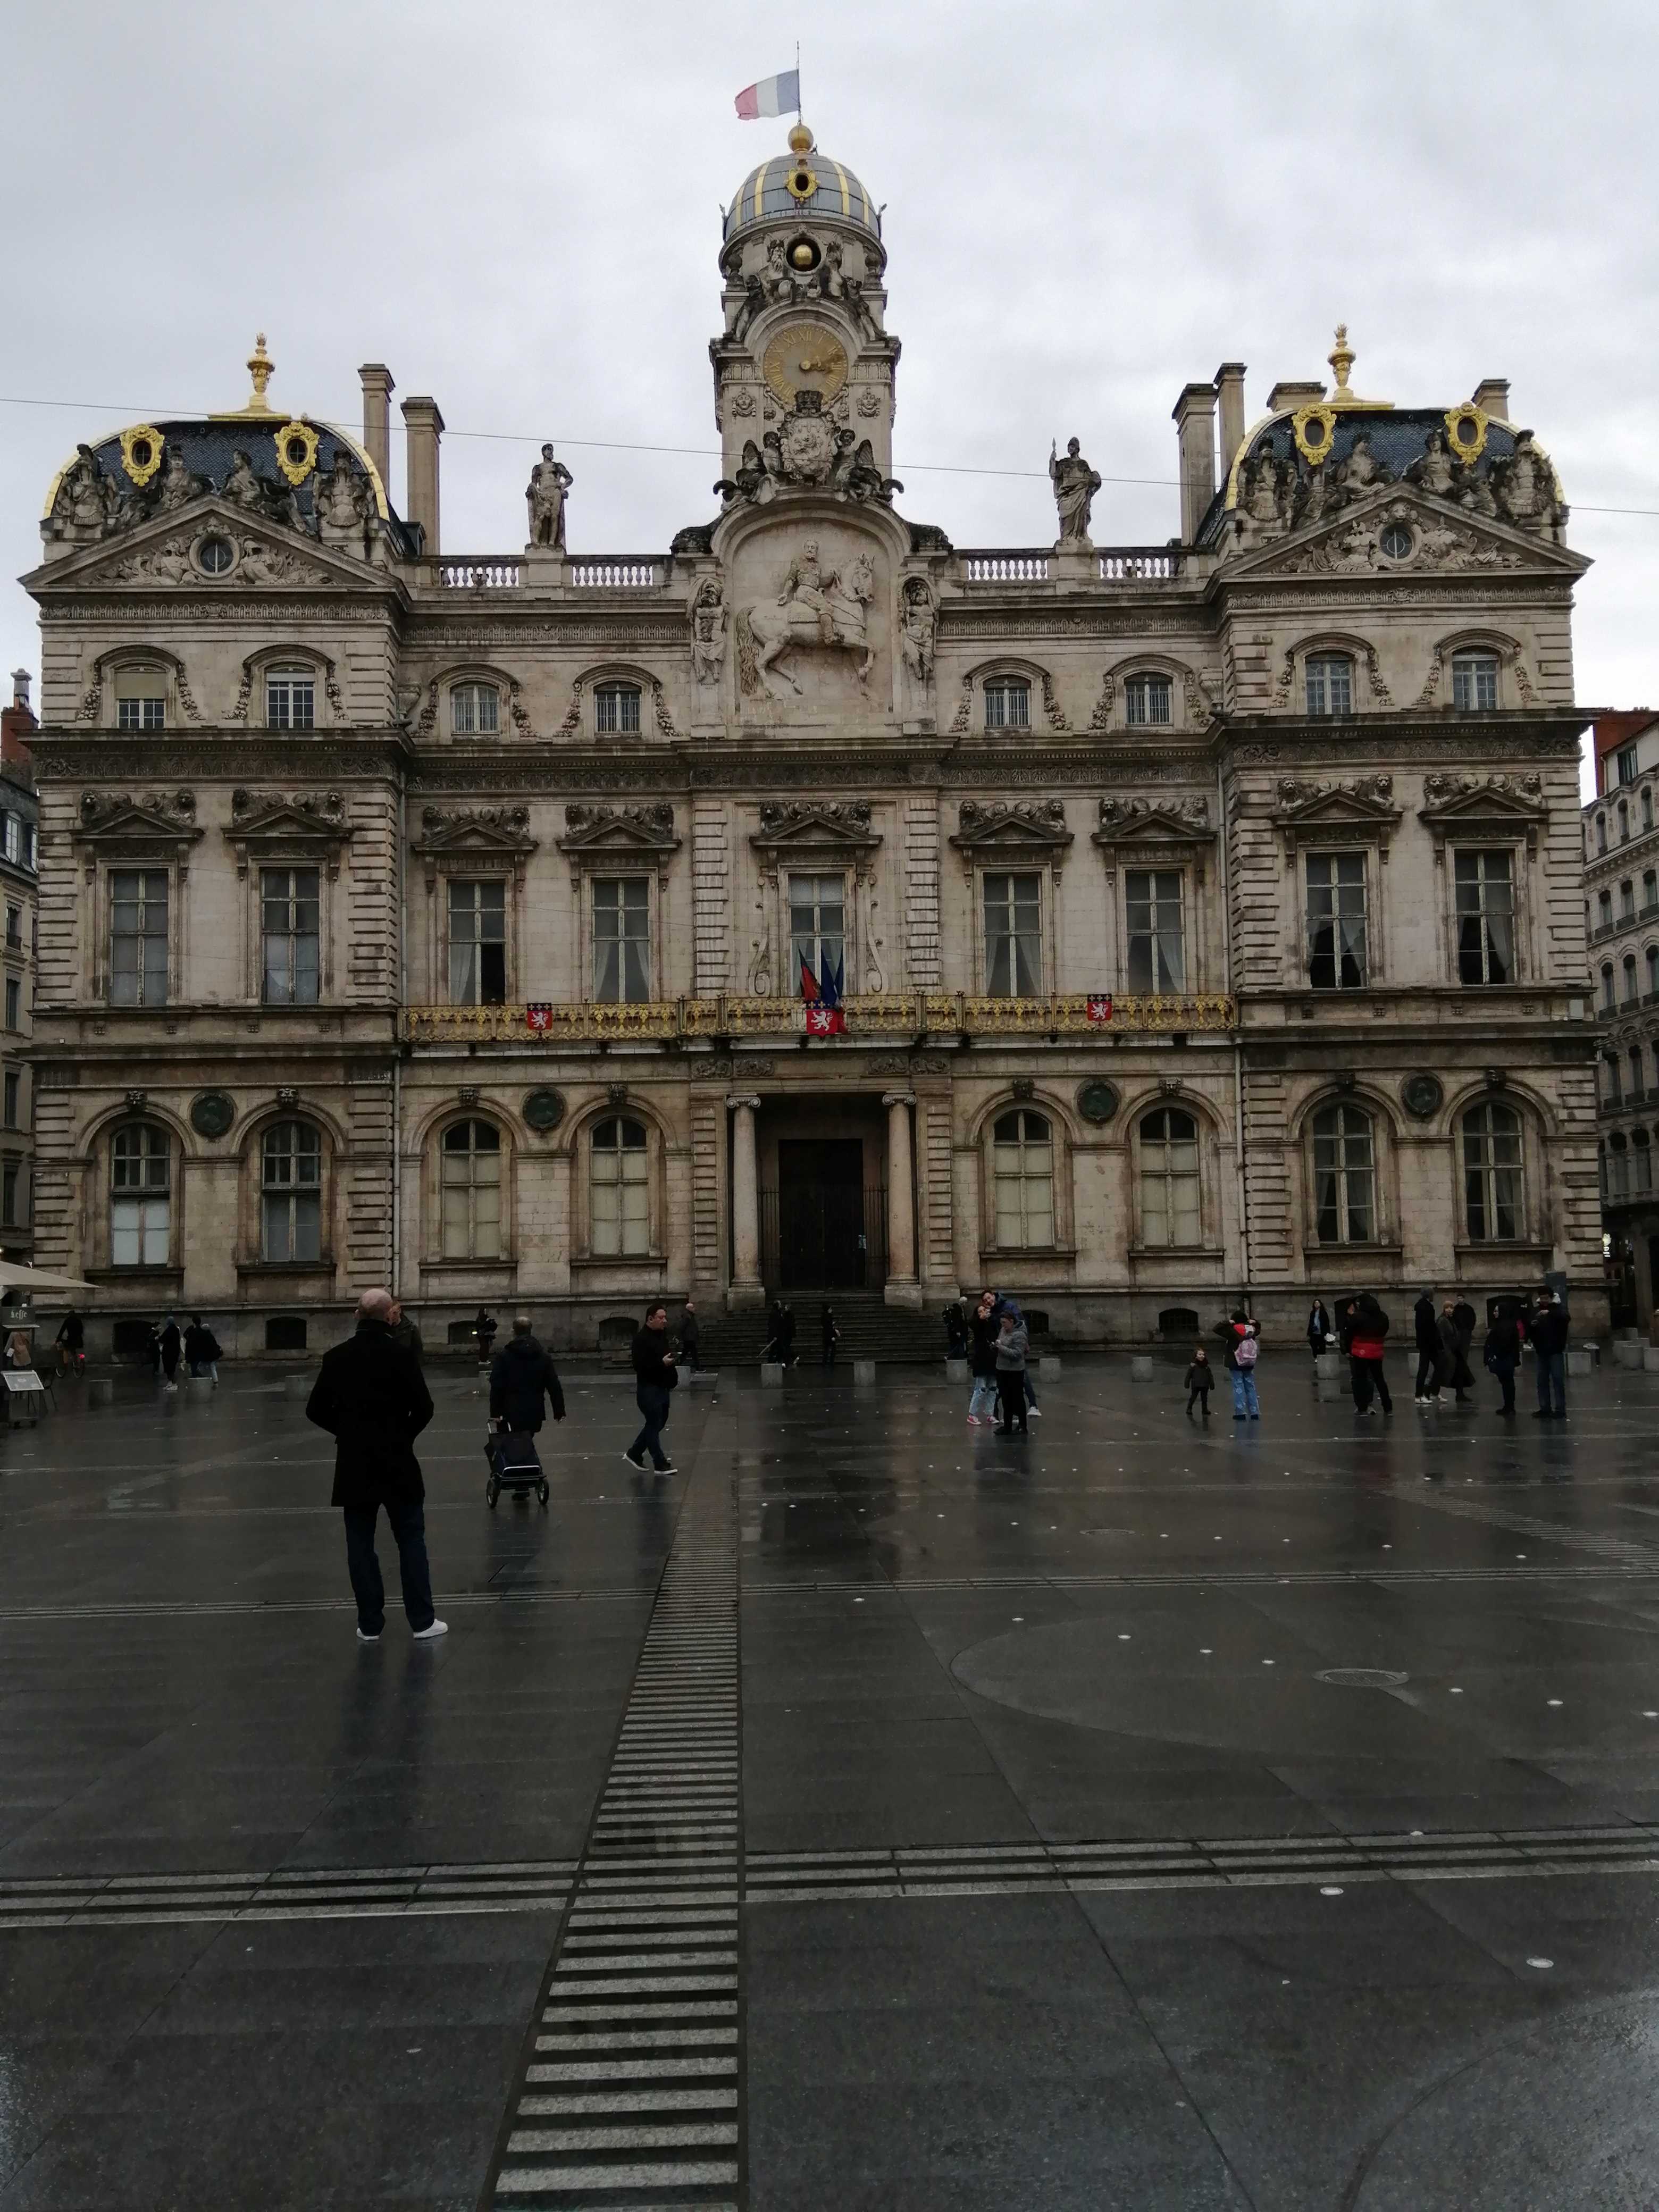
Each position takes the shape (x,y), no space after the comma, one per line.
(814,905)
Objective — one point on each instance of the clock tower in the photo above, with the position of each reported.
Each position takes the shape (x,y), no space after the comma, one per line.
(805,354)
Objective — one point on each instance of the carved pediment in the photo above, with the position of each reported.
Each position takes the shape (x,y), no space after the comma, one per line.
(831,831)
(474,839)
(1443,537)
(270,825)
(1154,820)
(1341,810)
(164,553)
(117,819)
(619,832)
(1030,833)
(1500,806)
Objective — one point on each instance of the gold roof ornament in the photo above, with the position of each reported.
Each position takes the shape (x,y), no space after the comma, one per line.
(260,368)
(1342,359)
(801,182)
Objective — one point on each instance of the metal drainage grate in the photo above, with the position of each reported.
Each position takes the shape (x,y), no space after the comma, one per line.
(1362,1678)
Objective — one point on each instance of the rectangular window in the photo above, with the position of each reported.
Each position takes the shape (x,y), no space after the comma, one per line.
(14,925)
(140,699)
(622,938)
(1336,922)
(1627,901)
(14,1090)
(817,940)
(29,836)
(1626,761)
(290,935)
(1330,686)
(10,1177)
(1485,918)
(1157,958)
(1008,705)
(14,837)
(138,937)
(617,710)
(475,710)
(477,944)
(1474,683)
(13,1003)
(1013,936)
(290,699)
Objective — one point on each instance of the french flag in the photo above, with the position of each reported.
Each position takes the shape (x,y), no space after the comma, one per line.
(773,95)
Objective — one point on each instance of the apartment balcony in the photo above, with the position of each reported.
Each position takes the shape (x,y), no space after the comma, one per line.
(869,1017)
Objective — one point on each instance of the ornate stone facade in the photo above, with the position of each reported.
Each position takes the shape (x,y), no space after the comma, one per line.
(1201,915)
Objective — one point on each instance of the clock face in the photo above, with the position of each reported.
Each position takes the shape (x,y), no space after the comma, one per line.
(805,354)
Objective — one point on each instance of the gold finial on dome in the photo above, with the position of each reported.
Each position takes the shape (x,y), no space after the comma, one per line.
(259,368)
(800,138)
(1342,359)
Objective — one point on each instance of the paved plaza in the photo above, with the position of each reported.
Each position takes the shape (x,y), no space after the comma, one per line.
(878,1813)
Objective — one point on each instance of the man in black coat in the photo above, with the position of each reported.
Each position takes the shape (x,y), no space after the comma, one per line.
(1425,1326)
(371,1397)
(523,1376)
(654,1375)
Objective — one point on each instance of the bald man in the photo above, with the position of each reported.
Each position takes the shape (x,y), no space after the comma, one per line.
(373,1401)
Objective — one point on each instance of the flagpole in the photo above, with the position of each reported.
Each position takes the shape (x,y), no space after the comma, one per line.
(798,104)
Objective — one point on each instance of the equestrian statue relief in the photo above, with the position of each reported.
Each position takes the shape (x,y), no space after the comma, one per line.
(815,607)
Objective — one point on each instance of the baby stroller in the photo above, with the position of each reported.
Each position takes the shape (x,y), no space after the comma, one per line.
(513,1465)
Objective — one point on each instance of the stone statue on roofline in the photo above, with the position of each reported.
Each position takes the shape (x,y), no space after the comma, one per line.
(1075,485)
(544,496)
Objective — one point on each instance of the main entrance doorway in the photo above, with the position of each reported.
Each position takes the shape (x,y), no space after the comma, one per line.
(821,1229)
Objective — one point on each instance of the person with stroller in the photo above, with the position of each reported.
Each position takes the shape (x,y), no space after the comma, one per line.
(522,1377)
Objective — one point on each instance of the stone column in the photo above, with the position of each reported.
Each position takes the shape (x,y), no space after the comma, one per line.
(746,1288)
(902,1288)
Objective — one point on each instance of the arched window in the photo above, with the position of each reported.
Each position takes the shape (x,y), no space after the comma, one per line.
(140,1196)
(1641,1154)
(617,710)
(1600,833)
(1647,806)
(1618,1168)
(1630,978)
(1634,1056)
(1604,910)
(1023,1169)
(1613,1089)
(1607,985)
(1169,1178)
(1008,703)
(1344,1175)
(1650,887)
(1148,699)
(1492,1174)
(619,1187)
(291,1192)
(470,1179)
(1623,822)
(1653,970)
(1474,683)
(290,699)
(1330,686)
(1626,900)
(475,710)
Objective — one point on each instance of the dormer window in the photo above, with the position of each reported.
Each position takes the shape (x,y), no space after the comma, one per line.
(140,699)
(617,710)
(475,710)
(1008,703)
(290,699)
(1148,699)
(1474,683)
(1330,686)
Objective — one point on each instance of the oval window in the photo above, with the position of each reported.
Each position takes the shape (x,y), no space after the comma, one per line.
(216,555)
(1397,541)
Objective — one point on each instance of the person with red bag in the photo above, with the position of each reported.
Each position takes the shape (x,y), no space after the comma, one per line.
(1364,1332)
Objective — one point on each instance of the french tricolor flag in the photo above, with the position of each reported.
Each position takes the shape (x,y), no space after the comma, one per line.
(773,95)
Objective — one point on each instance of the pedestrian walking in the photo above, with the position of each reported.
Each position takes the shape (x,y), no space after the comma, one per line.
(406,1332)
(372,1399)
(1319,1328)
(831,1334)
(1200,1381)
(956,1331)
(1453,1367)
(691,1337)
(70,1340)
(483,1327)
(1013,1343)
(982,1360)
(786,1333)
(1241,1338)
(521,1376)
(169,1344)
(1425,1326)
(1548,1334)
(202,1351)
(654,1375)
(1502,1355)
(1365,1329)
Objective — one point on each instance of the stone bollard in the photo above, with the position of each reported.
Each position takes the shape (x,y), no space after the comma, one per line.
(101,1391)
(771,1375)
(957,1370)
(1140,1367)
(864,1374)
(1627,1351)
(1048,1365)
(1329,1365)
(1650,1358)
(297,1385)
(1580,1361)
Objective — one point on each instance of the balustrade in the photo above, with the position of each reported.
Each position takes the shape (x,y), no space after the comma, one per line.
(1005,568)
(614,572)
(479,572)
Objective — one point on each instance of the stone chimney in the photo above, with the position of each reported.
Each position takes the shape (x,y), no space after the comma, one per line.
(1492,397)
(1230,401)
(1291,396)
(17,722)
(425,427)
(1195,418)
(378,388)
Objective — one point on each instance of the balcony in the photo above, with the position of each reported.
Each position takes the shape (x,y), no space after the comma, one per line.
(1114,564)
(870,1017)
(1017,566)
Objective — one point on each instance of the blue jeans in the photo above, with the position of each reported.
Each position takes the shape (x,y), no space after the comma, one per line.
(982,1404)
(1551,1373)
(408,1524)
(1245,1397)
(654,1404)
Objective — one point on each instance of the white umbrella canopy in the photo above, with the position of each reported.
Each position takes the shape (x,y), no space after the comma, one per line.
(14,1275)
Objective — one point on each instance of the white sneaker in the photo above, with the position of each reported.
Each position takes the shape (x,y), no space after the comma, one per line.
(362,1639)
(437,1628)
(1034,1412)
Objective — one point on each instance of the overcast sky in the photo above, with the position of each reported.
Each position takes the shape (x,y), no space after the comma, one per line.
(516,207)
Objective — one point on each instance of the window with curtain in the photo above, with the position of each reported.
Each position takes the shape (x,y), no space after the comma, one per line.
(1329,684)
(475,710)
(1336,921)
(1474,683)
(470,1180)
(291,1192)
(290,699)
(290,937)
(1008,703)
(1023,1176)
(1158,960)
(1013,936)
(1169,1178)
(1148,699)
(138,937)
(617,710)
(817,926)
(1485,891)
(140,699)
(1344,1175)
(140,1196)
(477,944)
(622,938)
(1492,1174)
(619,1189)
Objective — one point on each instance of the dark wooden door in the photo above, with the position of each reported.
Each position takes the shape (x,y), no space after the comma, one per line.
(821,1240)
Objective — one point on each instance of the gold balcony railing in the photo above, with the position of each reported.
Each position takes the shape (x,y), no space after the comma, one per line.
(887,1014)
